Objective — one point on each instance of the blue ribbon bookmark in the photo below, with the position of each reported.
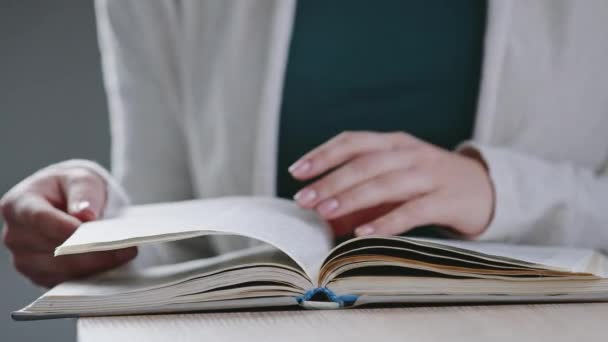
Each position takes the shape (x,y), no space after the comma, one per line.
(321,297)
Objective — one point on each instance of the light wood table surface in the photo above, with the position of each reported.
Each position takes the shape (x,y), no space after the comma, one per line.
(542,322)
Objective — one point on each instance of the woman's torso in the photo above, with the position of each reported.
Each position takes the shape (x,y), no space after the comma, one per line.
(542,87)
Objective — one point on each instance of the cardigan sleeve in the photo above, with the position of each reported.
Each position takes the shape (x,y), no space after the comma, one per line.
(544,202)
(138,43)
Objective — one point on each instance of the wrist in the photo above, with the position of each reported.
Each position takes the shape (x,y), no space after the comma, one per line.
(487,194)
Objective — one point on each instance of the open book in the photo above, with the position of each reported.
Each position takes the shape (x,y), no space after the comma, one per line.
(292,264)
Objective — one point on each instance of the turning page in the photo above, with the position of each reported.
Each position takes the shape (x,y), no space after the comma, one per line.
(298,233)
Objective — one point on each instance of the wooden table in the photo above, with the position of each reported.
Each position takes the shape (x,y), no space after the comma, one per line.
(542,322)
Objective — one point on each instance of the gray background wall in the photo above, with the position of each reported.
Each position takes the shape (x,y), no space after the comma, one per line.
(52,107)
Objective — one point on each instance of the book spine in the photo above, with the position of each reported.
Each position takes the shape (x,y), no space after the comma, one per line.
(324,298)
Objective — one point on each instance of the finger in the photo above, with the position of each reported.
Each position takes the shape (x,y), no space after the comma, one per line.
(85,194)
(390,187)
(38,275)
(344,225)
(344,147)
(82,265)
(37,214)
(65,267)
(20,239)
(352,173)
(417,212)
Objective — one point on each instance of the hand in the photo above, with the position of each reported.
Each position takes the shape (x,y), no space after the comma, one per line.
(42,211)
(395,182)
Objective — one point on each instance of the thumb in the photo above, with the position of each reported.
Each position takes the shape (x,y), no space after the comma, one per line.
(85,193)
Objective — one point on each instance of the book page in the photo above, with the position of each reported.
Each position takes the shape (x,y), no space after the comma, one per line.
(131,280)
(415,256)
(298,233)
(568,259)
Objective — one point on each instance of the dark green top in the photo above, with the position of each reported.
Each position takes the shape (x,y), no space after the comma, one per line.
(411,66)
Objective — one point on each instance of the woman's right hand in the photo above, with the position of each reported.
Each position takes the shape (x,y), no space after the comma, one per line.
(42,211)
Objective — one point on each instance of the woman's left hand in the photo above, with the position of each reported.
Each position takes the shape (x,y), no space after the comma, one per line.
(418,182)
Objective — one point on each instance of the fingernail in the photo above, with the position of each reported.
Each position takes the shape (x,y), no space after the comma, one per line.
(300,168)
(328,206)
(365,230)
(305,196)
(79,206)
(82,211)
